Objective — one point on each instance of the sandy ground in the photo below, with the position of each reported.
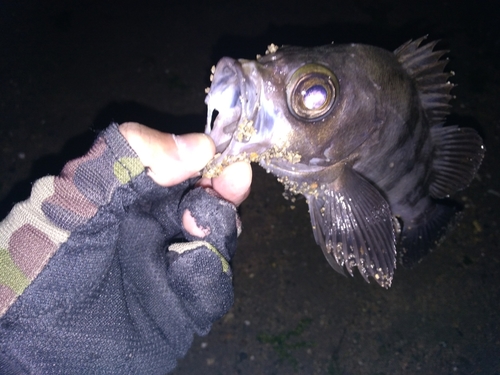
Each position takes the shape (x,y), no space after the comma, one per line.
(68,69)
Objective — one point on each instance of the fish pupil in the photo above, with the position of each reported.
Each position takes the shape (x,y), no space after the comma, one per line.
(314,97)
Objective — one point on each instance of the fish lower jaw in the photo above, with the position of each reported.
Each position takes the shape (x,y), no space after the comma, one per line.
(215,166)
(258,154)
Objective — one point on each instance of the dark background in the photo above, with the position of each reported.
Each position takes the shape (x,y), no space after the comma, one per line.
(69,68)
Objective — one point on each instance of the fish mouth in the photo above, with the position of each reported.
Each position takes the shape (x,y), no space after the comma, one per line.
(234,120)
(224,101)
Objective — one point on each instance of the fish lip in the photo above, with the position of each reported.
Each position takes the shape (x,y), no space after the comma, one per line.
(241,130)
(229,96)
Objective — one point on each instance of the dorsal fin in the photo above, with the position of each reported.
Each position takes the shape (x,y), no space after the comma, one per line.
(425,67)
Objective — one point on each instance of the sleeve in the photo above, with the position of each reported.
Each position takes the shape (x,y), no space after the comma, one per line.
(36,228)
(87,282)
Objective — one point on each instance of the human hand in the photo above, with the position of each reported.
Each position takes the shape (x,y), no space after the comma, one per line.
(199,272)
(133,279)
(185,155)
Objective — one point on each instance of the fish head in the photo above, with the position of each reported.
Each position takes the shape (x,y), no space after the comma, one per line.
(294,109)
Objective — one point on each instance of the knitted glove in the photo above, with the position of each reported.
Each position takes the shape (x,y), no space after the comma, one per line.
(125,293)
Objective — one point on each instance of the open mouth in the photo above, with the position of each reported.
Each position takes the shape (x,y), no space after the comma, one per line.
(221,126)
(232,103)
(240,122)
(227,129)
(224,103)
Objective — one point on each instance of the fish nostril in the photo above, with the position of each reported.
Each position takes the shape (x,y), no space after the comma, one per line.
(228,71)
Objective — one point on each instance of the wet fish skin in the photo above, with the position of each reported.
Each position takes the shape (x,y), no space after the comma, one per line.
(373,159)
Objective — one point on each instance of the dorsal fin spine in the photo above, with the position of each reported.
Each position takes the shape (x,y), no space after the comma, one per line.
(426,67)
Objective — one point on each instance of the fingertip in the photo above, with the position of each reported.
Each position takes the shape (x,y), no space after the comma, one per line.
(194,149)
(209,143)
(234,182)
(190,225)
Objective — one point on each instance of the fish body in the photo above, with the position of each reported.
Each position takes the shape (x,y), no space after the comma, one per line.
(359,131)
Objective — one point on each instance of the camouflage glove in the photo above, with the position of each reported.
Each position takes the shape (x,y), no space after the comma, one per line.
(113,300)
(198,271)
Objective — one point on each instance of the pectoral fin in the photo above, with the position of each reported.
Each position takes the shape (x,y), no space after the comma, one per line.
(353,224)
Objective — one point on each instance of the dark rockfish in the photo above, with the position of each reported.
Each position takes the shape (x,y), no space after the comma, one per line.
(359,132)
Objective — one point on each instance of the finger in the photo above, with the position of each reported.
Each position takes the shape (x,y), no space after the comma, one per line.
(189,224)
(189,156)
(234,182)
(170,159)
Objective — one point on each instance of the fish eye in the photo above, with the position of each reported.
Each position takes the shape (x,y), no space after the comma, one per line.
(311,92)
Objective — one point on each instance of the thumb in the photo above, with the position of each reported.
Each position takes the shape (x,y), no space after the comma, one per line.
(170,159)
(191,153)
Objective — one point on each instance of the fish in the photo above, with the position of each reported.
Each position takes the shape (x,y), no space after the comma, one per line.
(358,130)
